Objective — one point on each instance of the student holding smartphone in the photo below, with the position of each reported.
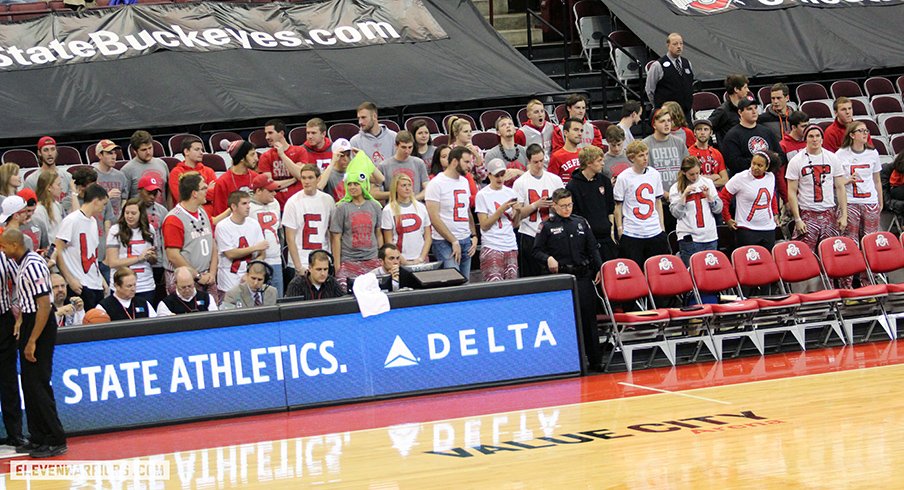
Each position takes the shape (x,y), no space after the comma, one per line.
(499,213)
(694,202)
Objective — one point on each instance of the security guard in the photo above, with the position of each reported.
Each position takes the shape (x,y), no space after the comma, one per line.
(566,244)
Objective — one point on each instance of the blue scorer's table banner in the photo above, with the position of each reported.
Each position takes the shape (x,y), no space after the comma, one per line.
(251,368)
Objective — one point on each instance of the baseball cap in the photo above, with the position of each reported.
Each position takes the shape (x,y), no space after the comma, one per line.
(341,145)
(150,182)
(495,166)
(46,141)
(262,181)
(28,195)
(744,103)
(702,121)
(11,205)
(105,145)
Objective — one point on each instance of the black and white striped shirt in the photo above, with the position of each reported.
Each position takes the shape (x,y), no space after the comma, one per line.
(32,281)
(7,276)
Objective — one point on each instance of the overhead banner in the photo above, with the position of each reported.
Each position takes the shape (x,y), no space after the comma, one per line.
(127,32)
(709,7)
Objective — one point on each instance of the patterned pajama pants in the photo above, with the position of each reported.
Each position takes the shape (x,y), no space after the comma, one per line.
(496,265)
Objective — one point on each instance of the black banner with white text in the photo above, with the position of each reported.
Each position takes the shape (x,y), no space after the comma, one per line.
(709,7)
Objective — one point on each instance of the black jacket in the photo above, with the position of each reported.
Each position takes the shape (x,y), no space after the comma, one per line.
(300,287)
(593,200)
(893,196)
(724,118)
(572,244)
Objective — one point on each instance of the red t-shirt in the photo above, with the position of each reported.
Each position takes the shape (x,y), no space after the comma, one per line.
(711,160)
(270,162)
(226,185)
(563,163)
(207,174)
(320,157)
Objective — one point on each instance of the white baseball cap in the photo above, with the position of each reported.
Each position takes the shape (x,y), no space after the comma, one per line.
(11,205)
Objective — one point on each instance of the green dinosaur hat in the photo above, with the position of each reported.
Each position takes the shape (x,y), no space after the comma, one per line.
(359,171)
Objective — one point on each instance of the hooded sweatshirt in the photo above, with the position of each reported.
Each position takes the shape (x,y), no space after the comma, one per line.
(379,147)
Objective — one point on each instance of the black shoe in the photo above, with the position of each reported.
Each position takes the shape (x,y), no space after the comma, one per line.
(13,441)
(27,447)
(49,451)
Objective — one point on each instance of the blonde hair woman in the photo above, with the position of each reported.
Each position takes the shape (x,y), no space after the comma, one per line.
(405,222)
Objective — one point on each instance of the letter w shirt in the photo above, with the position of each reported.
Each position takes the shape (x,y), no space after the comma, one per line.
(638,194)
(80,233)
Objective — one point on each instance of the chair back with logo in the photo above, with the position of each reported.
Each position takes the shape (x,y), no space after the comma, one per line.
(754,266)
(624,282)
(796,262)
(712,272)
(841,257)
(667,276)
(883,252)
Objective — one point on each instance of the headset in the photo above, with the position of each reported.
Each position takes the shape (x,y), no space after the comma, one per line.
(329,256)
(268,270)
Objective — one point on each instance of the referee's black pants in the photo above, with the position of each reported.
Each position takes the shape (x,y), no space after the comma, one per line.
(10,403)
(44,425)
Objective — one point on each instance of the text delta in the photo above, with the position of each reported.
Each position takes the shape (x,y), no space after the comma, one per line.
(439,345)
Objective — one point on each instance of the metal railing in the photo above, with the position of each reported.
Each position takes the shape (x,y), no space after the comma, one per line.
(566,42)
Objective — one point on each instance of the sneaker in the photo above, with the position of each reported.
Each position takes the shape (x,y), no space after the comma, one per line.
(49,451)
(27,447)
(13,441)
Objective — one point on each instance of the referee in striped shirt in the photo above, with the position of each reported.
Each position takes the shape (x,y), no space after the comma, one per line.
(10,403)
(37,337)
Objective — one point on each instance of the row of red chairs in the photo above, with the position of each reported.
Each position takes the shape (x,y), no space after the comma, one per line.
(753,268)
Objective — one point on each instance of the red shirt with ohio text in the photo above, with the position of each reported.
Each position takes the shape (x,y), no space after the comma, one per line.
(454,197)
(711,160)
(270,162)
(563,163)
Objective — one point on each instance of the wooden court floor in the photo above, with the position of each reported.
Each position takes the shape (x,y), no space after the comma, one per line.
(822,419)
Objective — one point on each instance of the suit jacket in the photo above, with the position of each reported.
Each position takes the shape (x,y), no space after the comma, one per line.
(243,293)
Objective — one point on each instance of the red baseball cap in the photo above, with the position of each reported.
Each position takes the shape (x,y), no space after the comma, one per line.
(150,182)
(28,195)
(46,141)
(263,181)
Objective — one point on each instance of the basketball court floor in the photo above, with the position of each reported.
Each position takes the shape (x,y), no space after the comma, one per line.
(828,418)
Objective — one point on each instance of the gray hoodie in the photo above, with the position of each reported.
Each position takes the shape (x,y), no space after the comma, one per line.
(378,148)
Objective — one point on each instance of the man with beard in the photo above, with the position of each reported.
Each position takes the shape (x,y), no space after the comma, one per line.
(447,196)
(239,177)
(374,139)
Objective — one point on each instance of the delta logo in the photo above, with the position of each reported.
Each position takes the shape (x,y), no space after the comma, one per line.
(703,6)
(473,342)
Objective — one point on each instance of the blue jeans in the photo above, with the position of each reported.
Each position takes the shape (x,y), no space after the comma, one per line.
(443,252)
(686,248)
(277,280)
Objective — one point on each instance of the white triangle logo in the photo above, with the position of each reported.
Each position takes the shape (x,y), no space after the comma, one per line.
(399,355)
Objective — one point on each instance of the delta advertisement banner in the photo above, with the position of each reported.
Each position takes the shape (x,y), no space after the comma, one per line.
(137,30)
(709,7)
(271,366)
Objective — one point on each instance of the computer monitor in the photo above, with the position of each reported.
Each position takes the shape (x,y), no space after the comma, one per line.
(430,278)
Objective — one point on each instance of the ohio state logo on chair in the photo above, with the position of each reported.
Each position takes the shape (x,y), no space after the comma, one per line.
(703,6)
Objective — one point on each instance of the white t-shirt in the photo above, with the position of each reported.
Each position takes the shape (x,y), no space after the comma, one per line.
(753,200)
(529,190)
(863,165)
(413,219)
(309,216)
(816,179)
(231,235)
(81,234)
(453,196)
(501,236)
(638,194)
(267,217)
(698,220)
(137,246)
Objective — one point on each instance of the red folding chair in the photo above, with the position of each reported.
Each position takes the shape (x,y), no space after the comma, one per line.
(756,271)
(668,278)
(623,282)
(797,263)
(712,274)
(841,258)
(884,254)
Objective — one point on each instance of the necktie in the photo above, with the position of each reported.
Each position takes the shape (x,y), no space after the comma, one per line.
(678,64)
(258,300)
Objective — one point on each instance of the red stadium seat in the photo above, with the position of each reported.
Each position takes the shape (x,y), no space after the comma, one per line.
(886,106)
(488,118)
(484,140)
(811,91)
(669,279)
(175,143)
(704,103)
(899,83)
(23,158)
(712,274)
(215,162)
(897,144)
(817,109)
(390,124)
(431,124)
(258,138)
(120,164)
(623,282)
(602,125)
(841,258)
(892,125)
(442,139)
(171,163)
(561,113)
(342,130)
(884,254)
(68,155)
(845,88)
(878,86)
(860,108)
(216,138)
(880,146)
(764,94)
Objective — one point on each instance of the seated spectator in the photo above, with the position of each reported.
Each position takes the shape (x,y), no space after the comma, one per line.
(514,155)
(401,162)
(123,304)
(892,178)
(679,123)
(265,211)
(406,223)
(47,155)
(712,165)
(755,202)
(537,130)
(186,298)
(252,290)
(355,229)
(282,161)
(499,213)
(111,178)
(68,314)
(317,282)
(454,234)
(130,243)
(776,115)
(390,259)
(193,152)
(726,115)
(638,212)
(630,116)
(564,161)
(576,106)
(423,141)
(77,241)
(239,176)
(306,216)
(239,240)
(693,202)
(317,145)
(844,115)
(591,193)
(374,139)
(143,163)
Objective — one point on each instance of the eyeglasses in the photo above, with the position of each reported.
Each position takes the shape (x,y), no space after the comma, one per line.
(565,206)
(861,130)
